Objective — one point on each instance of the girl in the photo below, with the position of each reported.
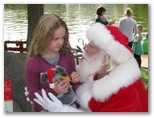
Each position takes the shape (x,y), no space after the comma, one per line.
(49,47)
(137,46)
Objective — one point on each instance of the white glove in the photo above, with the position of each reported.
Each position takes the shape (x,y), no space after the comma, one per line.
(52,105)
(26,94)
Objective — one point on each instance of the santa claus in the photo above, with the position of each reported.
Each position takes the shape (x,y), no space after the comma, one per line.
(110,77)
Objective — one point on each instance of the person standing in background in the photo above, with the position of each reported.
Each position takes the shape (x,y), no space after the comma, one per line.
(137,46)
(101,18)
(128,26)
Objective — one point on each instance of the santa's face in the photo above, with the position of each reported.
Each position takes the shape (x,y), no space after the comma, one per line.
(93,59)
(91,49)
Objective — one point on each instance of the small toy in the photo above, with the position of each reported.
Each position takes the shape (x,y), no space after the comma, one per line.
(59,74)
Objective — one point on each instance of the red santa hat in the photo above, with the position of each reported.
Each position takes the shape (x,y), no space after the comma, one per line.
(50,74)
(111,40)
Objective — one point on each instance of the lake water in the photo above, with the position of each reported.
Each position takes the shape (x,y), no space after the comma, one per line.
(79,17)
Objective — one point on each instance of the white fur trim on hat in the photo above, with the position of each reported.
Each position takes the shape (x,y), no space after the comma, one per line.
(52,85)
(102,38)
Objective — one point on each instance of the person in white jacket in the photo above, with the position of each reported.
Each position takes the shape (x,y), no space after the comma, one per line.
(110,77)
(128,26)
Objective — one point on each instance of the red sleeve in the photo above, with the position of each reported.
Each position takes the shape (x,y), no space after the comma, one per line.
(73,68)
(72,62)
(33,80)
(124,101)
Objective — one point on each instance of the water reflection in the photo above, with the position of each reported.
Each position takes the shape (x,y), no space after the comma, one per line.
(15,22)
(77,16)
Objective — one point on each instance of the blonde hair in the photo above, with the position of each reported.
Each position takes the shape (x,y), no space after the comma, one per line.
(44,32)
(128,12)
(140,27)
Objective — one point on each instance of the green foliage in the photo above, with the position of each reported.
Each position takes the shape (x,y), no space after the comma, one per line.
(144,76)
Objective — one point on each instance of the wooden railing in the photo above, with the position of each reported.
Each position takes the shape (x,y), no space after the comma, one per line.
(19,46)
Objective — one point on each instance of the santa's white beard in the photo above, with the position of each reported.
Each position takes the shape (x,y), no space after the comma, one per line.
(90,66)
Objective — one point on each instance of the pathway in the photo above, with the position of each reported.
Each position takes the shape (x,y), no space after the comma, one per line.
(144,61)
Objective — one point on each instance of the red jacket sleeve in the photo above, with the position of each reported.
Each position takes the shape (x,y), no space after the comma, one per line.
(33,80)
(124,101)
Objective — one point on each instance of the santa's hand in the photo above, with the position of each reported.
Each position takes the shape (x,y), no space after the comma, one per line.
(26,94)
(52,105)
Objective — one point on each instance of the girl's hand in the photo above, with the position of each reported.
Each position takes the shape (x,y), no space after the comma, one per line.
(61,87)
(74,77)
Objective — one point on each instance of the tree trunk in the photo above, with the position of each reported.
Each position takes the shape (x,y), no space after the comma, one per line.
(35,11)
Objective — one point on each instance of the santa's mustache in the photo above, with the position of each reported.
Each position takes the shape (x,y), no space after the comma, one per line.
(90,65)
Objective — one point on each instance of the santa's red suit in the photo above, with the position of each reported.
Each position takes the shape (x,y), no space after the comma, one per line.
(121,90)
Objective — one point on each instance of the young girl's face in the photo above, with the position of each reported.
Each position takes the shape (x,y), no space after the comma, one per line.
(58,40)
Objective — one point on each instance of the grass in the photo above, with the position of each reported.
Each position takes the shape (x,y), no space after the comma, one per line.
(144,76)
